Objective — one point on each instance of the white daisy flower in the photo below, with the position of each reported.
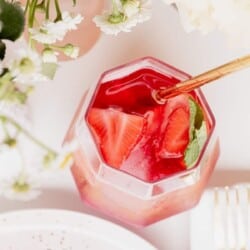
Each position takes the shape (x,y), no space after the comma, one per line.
(144,12)
(49,55)
(114,28)
(125,17)
(4,148)
(131,7)
(26,67)
(48,33)
(196,15)
(22,187)
(233,19)
(70,22)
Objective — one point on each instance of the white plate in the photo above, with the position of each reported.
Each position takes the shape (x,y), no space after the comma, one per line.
(49,229)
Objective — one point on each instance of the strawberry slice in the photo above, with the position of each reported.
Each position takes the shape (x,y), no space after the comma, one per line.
(176,137)
(116,133)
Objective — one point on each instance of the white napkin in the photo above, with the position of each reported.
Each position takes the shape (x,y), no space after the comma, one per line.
(222,219)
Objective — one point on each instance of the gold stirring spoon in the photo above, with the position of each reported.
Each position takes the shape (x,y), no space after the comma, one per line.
(161,95)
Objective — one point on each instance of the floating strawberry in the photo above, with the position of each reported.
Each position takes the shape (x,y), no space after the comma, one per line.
(116,133)
(176,136)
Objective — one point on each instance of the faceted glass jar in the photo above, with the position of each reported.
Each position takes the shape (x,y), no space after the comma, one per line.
(120,194)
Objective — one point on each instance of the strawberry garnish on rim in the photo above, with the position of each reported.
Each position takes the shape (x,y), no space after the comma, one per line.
(116,133)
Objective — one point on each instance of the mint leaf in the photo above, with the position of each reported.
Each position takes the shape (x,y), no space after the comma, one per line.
(196,114)
(191,153)
(192,110)
(12,20)
(199,117)
(197,133)
(201,134)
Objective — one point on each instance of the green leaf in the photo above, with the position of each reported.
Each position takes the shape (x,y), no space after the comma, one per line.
(12,20)
(74,2)
(196,114)
(49,69)
(2,49)
(192,152)
(192,110)
(197,133)
(199,117)
(201,134)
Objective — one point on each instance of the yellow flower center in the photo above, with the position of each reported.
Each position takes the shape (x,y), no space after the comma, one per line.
(26,65)
(21,187)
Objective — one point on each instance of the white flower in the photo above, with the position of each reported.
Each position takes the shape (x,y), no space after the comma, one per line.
(110,28)
(49,55)
(50,32)
(70,22)
(196,15)
(233,18)
(22,187)
(145,11)
(229,16)
(131,7)
(125,17)
(15,183)
(71,51)
(26,67)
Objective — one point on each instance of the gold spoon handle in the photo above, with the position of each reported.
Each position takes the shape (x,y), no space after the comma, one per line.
(204,78)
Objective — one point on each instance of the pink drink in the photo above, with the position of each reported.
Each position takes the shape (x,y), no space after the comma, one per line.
(138,160)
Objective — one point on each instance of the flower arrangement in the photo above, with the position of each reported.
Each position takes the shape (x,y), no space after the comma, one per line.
(24,159)
(44,24)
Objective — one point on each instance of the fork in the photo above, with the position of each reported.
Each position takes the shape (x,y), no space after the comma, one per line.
(231,217)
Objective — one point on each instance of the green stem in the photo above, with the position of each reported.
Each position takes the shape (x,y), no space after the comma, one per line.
(32,13)
(115,10)
(58,11)
(27,134)
(6,132)
(26,7)
(47,10)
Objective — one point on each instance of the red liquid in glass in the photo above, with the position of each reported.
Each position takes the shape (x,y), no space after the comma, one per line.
(132,94)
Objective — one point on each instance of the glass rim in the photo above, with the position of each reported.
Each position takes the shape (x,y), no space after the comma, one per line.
(180,75)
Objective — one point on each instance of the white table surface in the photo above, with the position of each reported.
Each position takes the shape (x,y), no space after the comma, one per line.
(163,37)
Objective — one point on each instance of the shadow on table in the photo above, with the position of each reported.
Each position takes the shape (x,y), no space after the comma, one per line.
(54,198)
(229,177)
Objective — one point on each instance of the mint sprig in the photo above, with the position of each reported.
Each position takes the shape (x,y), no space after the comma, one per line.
(197,134)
